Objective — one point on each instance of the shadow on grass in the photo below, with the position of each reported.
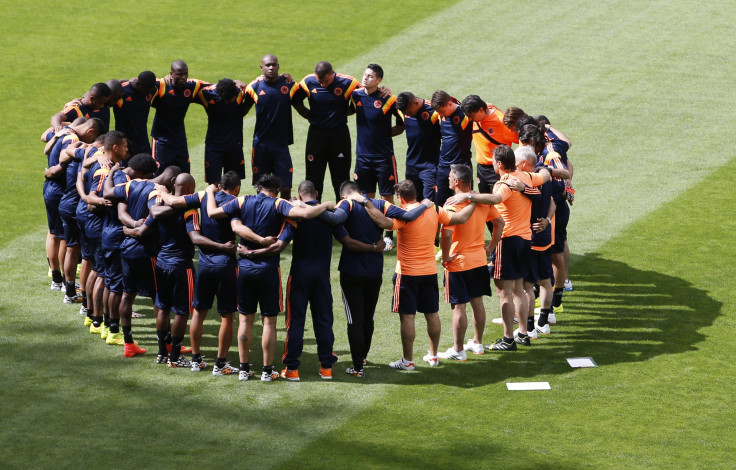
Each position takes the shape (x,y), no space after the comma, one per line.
(616,314)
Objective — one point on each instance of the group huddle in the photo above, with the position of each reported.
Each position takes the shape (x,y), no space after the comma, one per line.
(127,207)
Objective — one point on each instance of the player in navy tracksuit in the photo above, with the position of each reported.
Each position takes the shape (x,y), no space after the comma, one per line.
(309,281)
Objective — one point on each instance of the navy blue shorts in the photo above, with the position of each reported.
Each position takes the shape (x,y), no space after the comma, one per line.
(56,227)
(216,280)
(167,155)
(461,286)
(97,257)
(218,161)
(562,217)
(487,177)
(272,159)
(175,289)
(414,294)
(260,287)
(71,230)
(424,181)
(372,170)
(113,271)
(138,276)
(86,248)
(540,267)
(513,259)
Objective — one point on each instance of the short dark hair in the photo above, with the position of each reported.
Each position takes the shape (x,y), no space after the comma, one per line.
(101,89)
(230,181)
(542,120)
(523,121)
(406,191)
(472,104)
(349,187)
(403,100)
(531,133)
(113,138)
(505,156)
(322,68)
(376,68)
(226,89)
(269,182)
(96,124)
(306,187)
(462,173)
(440,98)
(147,79)
(143,163)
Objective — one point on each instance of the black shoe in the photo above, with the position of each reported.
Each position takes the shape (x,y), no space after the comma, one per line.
(522,339)
(501,345)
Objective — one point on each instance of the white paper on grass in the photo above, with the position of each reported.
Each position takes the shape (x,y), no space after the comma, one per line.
(581,362)
(527,385)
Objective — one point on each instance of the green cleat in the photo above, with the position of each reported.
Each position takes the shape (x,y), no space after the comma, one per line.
(95,329)
(87,321)
(105,331)
(115,339)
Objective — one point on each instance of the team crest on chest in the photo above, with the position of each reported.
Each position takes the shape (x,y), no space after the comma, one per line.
(456,120)
(489,130)
(284,89)
(425,115)
(187,93)
(377,104)
(338,91)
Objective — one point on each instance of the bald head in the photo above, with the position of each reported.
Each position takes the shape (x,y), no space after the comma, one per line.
(307,191)
(179,65)
(184,184)
(117,91)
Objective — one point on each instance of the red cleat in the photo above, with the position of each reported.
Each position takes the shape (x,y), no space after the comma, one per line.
(132,349)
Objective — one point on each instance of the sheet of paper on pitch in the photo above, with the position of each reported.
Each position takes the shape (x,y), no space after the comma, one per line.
(581,362)
(527,385)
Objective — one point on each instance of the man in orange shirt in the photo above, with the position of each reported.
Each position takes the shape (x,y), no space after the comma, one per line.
(489,131)
(465,258)
(415,280)
(512,255)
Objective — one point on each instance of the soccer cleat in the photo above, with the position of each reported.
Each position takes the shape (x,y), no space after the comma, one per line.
(476,348)
(355,373)
(75,299)
(401,365)
(136,315)
(501,345)
(132,349)
(198,366)
(542,330)
(181,362)
(551,319)
(523,340)
(227,369)
(242,376)
(83,310)
(389,244)
(433,361)
(325,373)
(290,374)
(162,359)
(454,355)
(532,334)
(115,339)
(567,287)
(269,376)
(87,321)
(96,330)
(105,331)
(57,285)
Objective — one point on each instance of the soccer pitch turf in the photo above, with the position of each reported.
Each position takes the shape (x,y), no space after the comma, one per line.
(637,86)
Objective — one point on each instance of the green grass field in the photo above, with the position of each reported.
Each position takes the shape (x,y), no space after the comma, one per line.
(643,90)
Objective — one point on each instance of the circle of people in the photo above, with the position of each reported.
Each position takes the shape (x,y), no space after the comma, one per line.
(127,207)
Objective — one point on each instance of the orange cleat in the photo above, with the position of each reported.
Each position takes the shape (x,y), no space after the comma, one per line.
(132,349)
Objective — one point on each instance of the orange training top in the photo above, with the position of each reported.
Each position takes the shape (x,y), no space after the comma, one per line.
(468,239)
(415,241)
(489,134)
(516,209)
